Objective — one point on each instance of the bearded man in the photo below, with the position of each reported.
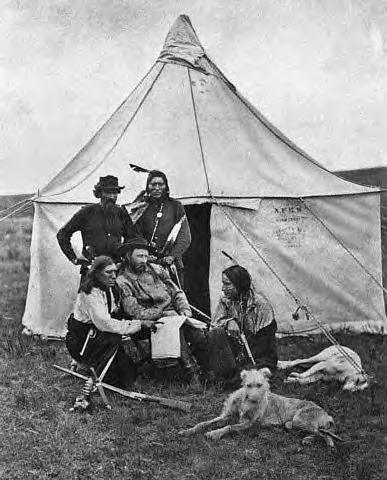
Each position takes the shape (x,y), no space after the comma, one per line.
(104,226)
(147,293)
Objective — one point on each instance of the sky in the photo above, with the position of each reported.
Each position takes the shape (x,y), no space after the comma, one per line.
(317,69)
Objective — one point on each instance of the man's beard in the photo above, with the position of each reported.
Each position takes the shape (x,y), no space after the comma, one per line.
(139,268)
(111,213)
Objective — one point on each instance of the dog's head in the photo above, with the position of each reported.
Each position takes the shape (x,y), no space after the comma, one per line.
(356,382)
(256,382)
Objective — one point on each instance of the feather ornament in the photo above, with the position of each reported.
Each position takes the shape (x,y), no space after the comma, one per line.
(138,169)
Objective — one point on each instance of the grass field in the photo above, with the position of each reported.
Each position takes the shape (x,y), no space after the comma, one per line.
(41,439)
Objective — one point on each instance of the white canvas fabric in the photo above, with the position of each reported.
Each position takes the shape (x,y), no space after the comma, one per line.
(186,119)
(239,153)
(307,259)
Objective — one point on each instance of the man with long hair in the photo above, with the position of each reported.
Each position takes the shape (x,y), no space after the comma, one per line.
(95,327)
(104,226)
(243,311)
(156,215)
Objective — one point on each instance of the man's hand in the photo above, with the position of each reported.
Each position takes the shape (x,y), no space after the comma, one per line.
(233,328)
(168,260)
(151,325)
(186,313)
(147,323)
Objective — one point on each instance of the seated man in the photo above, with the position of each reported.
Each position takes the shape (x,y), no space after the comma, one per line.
(94,332)
(241,310)
(147,293)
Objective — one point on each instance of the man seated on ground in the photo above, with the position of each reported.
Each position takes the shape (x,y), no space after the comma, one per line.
(95,330)
(242,311)
(147,293)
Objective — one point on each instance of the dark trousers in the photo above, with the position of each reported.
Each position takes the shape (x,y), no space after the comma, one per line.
(194,344)
(228,355)
(122,371)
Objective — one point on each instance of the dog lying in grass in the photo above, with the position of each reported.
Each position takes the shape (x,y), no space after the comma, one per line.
(333,363)
(254,404)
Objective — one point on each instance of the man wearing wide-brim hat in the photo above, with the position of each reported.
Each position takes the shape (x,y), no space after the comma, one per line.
(104,226)
(147,293)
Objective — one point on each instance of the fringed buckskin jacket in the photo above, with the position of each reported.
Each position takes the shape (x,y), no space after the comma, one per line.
(146,295)
(259,313)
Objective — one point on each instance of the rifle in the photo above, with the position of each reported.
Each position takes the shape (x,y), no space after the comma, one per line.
(207,320)
(247,347)
(165,402)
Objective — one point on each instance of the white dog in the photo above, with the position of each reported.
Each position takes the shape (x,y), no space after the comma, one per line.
(254,404)
(333,363)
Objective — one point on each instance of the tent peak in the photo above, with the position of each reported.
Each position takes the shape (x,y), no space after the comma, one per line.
(183,31)
(182,45)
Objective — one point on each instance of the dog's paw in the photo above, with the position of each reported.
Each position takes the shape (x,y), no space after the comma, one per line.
(283,364)
(185,432)
(290,379)
(214,435)
(294,375)
(308,440)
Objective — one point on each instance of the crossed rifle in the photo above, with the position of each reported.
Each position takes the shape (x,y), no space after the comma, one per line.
(97,381)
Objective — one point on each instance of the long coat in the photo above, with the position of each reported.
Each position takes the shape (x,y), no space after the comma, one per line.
(146,295)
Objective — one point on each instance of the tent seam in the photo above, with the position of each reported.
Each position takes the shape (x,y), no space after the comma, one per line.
(277,133)
(100,129)
(198,132)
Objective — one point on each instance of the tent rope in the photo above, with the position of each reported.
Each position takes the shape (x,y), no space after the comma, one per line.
(243,234)
(341,243)
(305,308)
(333,340)
(299,304)
(290,144)
(21,209)
(8,209)
(119,137)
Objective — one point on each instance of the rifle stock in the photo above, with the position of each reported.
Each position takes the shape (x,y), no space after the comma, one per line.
(166,402)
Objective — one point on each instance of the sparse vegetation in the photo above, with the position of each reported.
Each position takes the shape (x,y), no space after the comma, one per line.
(41,439)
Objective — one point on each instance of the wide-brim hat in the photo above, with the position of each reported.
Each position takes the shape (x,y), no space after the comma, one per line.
(131,244)
(109,184)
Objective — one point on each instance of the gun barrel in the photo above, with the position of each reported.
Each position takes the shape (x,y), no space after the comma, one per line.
(247,347)
(166,402)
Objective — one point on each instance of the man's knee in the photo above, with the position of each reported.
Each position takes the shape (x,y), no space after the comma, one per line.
(194,335)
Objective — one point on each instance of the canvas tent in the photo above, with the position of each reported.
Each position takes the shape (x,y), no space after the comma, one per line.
(305,234)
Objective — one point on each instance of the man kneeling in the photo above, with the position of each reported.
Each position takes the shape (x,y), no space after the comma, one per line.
(147,293)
